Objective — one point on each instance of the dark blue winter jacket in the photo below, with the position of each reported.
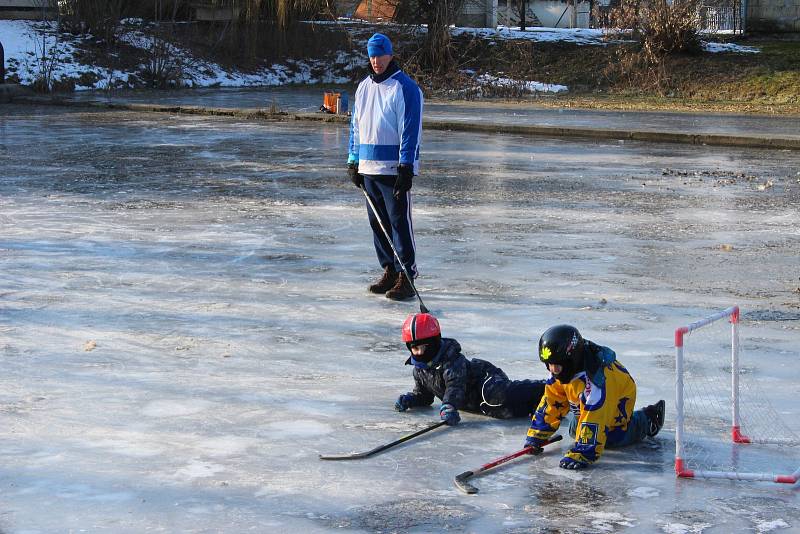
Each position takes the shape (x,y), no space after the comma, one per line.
(473,385)
(452,378)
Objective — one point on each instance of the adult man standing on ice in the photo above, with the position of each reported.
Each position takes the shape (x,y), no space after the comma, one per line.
(385,135)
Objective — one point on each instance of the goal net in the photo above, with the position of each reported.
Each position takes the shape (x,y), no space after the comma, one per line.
(726,426)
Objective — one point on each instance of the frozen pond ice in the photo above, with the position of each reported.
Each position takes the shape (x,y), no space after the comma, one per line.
(184,323)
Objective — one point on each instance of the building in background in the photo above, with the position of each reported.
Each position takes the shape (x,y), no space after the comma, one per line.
(715,15)
(207,10)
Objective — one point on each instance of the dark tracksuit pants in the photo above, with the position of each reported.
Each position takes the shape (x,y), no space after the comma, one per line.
(395,214)
(506,399)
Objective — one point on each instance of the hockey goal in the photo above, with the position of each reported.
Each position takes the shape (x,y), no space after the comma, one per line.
(725,425)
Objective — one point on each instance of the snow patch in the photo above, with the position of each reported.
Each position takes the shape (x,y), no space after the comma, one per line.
(581,36)
(527,86)
(729,47)
(23,42)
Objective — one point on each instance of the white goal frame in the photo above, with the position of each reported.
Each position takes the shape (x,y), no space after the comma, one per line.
(681,470)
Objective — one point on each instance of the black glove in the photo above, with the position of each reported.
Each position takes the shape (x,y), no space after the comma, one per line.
(404,402)
(352,172)
(405,173)
(568,463)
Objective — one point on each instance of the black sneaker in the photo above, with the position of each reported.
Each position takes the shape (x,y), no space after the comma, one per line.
(655,417)
(402,290)
(386,282)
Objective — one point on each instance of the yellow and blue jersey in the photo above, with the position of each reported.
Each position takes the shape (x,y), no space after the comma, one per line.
(602,400)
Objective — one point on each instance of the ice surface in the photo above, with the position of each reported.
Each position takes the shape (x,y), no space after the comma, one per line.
(220,266)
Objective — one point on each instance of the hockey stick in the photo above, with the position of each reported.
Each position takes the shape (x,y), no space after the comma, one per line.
(422,307)
(376,450)
(466,487)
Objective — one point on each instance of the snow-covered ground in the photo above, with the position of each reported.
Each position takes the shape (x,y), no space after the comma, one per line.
(184,324)
(26,42)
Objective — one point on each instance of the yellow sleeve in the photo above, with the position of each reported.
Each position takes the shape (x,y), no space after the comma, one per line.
(551,410)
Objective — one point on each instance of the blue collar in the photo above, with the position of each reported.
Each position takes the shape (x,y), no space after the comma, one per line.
(430,365)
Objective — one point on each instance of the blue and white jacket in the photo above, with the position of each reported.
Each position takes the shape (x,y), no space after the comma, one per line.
(386,125)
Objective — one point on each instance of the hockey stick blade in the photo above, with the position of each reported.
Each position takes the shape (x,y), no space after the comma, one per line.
(461,481)
(463,485)
(367,454)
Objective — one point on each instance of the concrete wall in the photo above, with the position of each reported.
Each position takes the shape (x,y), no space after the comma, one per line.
(547,13)
(773,16)
(476,14)
(25,9)
(24,4)
(216,14)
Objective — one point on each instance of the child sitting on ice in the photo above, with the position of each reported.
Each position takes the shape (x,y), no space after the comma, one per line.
(588,380)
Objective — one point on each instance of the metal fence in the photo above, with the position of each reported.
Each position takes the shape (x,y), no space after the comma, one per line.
(720,17)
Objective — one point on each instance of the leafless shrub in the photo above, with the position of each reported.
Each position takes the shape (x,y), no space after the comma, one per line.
(47,61)
(435,53)
(163,68)
(47,46)
(661,29)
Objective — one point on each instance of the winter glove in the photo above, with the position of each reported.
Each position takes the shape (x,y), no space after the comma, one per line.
(449,414)
(352,172)
(405,173)
(404,402)
(569,463)
(535,442)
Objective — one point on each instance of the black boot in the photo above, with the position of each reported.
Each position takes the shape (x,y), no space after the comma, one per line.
(402,290)
(655,417)
(387,281)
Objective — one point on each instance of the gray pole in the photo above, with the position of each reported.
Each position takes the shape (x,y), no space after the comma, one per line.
(2,65)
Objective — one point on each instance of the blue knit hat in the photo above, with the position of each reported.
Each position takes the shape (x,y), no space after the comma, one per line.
(379,45)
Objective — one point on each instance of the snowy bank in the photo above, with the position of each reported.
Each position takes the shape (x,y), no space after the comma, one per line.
(34,51)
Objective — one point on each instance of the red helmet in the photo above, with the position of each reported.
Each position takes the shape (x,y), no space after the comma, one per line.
(420,326)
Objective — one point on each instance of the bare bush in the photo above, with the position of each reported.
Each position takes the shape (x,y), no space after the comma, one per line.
(435,53)
(163,68)
(661,29)
(47,58)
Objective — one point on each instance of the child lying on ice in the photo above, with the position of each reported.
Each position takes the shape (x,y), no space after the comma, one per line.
(440,370)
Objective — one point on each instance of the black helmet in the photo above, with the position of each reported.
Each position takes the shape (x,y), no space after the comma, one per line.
(562,345)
